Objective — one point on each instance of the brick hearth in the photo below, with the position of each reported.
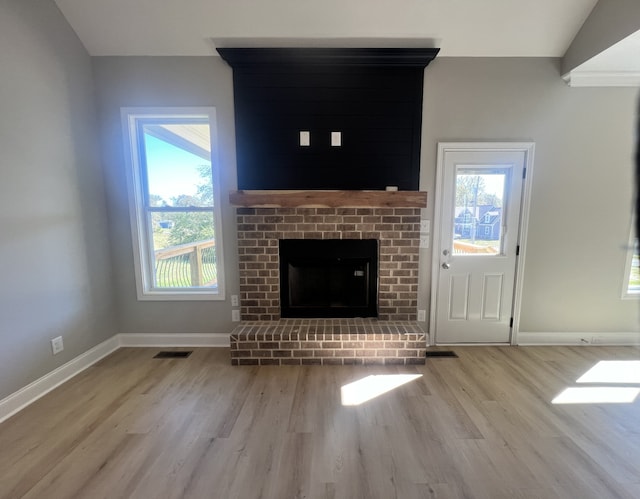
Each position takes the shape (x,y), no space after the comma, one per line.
(328,342)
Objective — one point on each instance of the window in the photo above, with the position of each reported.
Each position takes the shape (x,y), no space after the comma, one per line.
(480,193)
(631,283)
(174,203)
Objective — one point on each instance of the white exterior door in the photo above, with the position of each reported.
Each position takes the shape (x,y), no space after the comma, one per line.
(479,196)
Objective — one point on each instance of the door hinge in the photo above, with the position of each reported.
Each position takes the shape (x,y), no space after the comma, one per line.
(517,250)
(524,173)
(511,322)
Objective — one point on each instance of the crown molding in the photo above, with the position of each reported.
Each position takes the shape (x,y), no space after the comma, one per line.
(316,56)
(603,79)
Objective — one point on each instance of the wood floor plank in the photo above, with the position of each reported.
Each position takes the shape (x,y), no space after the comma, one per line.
(478,426)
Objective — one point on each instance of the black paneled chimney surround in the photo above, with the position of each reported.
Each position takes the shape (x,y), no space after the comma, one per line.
(359,111)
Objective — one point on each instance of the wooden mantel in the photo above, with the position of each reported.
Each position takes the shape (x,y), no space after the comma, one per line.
(328,199)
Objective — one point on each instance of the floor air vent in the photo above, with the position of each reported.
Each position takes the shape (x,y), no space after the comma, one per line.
(442,353)
(172,355)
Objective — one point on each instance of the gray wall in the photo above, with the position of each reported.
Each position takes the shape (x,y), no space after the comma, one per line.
(582,181)
(54,259)
(165,82)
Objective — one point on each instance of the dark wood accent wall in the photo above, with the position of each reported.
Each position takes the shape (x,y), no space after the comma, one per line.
(372,96)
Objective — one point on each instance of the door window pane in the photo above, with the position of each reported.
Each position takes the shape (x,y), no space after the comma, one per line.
(478,212)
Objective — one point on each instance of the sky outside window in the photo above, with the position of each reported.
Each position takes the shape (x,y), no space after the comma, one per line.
(172,171)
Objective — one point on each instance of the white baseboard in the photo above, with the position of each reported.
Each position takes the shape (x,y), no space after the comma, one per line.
(174,340)
(563,338)
(40,387)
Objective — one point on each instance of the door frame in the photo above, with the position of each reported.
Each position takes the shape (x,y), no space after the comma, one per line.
(445,147)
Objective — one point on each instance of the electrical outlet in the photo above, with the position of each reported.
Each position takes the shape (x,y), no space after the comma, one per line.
(234,301)
(422,315)
(57,345)
(425,226)
(424,242)
(235,315)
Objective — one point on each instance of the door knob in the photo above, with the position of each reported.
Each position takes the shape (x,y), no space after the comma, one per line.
(445,265)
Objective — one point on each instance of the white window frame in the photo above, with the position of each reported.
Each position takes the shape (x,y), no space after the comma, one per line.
(626,294)
(142,246)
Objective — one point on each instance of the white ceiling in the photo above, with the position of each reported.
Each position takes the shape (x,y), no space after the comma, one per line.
(477,28)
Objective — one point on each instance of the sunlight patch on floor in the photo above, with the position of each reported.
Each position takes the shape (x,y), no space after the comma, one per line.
(597,395)
(373,386)
(613,374)
(613,371)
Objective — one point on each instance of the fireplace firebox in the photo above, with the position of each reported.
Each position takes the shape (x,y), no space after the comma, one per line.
(328,278)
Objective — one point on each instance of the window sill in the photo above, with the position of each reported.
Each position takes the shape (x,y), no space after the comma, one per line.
(182,296)
(631,296)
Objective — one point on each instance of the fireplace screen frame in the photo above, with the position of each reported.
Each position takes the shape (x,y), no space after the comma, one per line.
(361,254)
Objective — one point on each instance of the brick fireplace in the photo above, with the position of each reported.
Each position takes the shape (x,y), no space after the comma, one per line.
(264,338)
(396,229)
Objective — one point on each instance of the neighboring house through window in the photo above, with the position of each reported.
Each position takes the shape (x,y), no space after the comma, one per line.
(174,203)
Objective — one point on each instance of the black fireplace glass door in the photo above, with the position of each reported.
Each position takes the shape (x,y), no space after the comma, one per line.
(340,283)
(328,278)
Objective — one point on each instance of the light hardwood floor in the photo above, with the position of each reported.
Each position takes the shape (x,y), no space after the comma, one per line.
(480,426)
